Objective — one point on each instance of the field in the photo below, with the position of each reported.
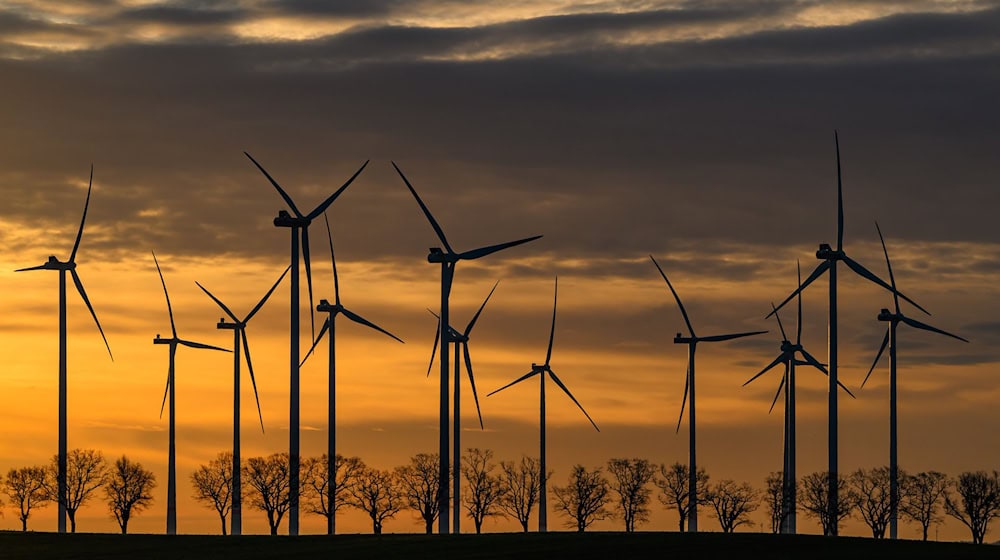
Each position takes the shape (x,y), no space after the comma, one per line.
(521,546)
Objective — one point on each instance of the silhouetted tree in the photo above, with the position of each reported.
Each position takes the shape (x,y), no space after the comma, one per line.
(519,486)
(922,494)
(26,488)
(774,499)
(673,484)
(419,484)
(631,483)
(213,485)
(980,502)
(872,489)
(268,479)
(128,488)
(376,493)
(814,500)
(85,470)
(584,499)
(483,490)
(733,503)
(315,480)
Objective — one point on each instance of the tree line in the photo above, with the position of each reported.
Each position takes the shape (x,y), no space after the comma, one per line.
(622,490)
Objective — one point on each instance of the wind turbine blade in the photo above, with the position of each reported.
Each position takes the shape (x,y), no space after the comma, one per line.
(333,260)
(778,317)
(472,323)
(322,331)
(722,337)
(253,379)
(200,345)
(362,321)
(306,257)
(166,390)
(86,300)
(326,203)
(780,359)
(430,217)
(483,251)
(281,191)
(437,338)
(687,381)
(170,311)
(918,325)
(218,302)
(552,333)
(562,386)
(472,381)
(780,387)
(867,274)
(516,381)
(79,234)
(263,300)
(840,198)
(811,361)
(823,266)
(798,322)
(39,267)
(676,297)
(888,264)
(885,342)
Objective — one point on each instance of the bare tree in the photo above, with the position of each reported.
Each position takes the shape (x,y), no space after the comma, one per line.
(316,482)
(631,483)
(921,496)
(874,503)
(213,485)
(128,489)
(483,494)
(377,493)
(519,487)
(268,478)
(774,499)
(980,502)
(26,487)
(85,470)
(815,502)
(733,503)
(583,501)
(419,484)
(673,484)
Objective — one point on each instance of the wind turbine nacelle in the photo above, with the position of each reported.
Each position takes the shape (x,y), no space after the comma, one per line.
(285,219)
(824,251)
(325,307)
(885,315)
(436,255)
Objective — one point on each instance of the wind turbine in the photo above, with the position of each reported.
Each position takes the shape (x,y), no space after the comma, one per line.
(173,342)
(829,258)
(299,226)
(692,342)
(330,326)
(70,265)
(789,359)
(240,337)
(894,319)
(448,258)
(461,342)
(540,370)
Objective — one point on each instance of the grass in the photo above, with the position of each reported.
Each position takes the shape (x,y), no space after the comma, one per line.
(605,546)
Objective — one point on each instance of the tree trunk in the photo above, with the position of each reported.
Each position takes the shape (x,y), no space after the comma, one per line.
(926,526)
(524,525)
(223,519)
(376,527)
(24,523)
(429,525)
(680,523)
(479,525)
(124,523)
(72,519)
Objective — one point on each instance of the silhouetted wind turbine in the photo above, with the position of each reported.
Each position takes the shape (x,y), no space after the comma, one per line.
(540,370)
(692,342)
(70,265)
(240,337)
(894,319)
(299,225)
(789,359)
(461,342)
(330,326)
(173,341)
(830,258)
(448,258)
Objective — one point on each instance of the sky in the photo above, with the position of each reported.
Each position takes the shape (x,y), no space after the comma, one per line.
(697,132)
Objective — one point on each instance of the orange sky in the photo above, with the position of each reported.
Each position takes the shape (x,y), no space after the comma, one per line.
(587,163)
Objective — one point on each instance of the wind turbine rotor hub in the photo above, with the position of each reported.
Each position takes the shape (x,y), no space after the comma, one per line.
(438,256)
